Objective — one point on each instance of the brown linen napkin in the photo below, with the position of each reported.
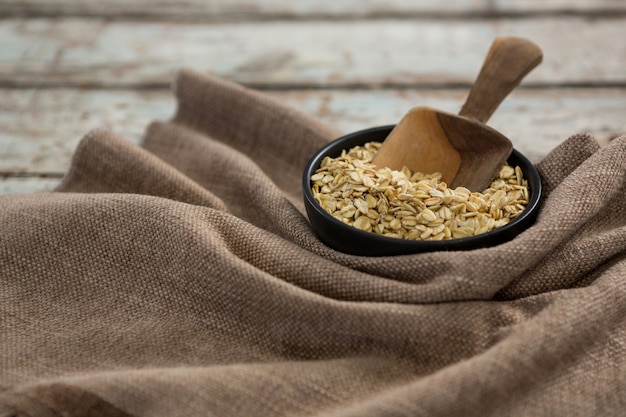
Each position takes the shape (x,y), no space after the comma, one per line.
(181,278)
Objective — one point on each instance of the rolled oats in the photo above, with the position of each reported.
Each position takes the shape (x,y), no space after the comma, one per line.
(411,205)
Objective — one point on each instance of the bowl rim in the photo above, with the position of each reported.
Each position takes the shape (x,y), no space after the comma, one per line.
(450,244)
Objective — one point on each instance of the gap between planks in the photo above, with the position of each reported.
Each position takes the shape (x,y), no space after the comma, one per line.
(263,10)
(274,17)
(10,84)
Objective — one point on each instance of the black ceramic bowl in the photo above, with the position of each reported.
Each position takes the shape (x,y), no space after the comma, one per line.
(349,239)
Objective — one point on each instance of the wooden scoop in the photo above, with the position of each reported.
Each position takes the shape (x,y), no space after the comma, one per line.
(461,147)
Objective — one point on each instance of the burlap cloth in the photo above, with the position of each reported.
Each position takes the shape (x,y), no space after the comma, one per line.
(181,278)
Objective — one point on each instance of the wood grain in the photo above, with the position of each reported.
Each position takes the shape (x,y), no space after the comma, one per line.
(282,54)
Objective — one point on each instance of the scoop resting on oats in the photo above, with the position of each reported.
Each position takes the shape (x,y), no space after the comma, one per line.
(408,205)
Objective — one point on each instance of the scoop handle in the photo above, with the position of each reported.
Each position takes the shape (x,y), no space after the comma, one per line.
(507,63)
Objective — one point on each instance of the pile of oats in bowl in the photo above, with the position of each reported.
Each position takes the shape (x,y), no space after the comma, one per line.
(416,206)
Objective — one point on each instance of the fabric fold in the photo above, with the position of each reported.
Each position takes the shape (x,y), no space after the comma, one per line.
(106,163)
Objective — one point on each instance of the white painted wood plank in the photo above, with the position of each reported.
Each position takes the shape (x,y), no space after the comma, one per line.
(79,51)
(39,130)
(28,185)
(536,121)
(290,8)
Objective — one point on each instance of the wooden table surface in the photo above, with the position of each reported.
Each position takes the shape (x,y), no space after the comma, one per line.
(68,66)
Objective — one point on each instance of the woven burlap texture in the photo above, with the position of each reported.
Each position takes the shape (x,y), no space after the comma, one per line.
(182,278)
